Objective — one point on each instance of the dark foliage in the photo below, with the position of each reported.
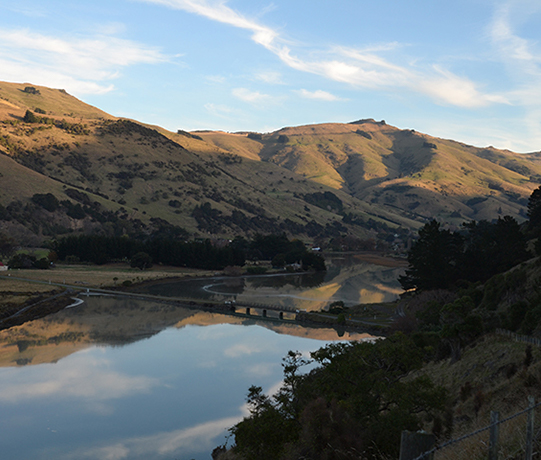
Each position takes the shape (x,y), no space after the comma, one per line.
(47,201)
(141,260)
(28,261)
(325,200)
(440,258)
(356,398)
(281,251)
(7,245)
(102,249)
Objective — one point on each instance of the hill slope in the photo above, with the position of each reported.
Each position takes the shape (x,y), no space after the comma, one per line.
(317,182)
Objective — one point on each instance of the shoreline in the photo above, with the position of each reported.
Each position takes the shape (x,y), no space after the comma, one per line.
(24,303)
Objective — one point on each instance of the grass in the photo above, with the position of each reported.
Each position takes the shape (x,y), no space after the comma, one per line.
(97,275)
(19,286)
(490,376)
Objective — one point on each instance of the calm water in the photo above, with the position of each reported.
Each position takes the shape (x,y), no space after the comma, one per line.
(347,278)
(123,379)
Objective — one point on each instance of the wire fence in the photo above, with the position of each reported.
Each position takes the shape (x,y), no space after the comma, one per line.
(519,338)
(511,438)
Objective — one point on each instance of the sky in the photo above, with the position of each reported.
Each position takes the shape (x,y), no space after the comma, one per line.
(468,70)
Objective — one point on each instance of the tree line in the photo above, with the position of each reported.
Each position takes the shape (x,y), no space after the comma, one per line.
(204,254)
(442,259)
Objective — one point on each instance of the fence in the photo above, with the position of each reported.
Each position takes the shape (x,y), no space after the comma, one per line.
(519,337)
(480,444)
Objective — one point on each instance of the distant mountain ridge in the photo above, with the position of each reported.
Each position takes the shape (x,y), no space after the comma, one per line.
(317,182)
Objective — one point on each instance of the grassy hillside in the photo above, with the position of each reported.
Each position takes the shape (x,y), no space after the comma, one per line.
(410,173)
(316,182)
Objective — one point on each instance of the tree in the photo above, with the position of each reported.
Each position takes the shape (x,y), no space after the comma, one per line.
(534,209)
(141,260)
(433,259)
(358,396)
(7,245)
(29,117)
(491,248)
(22,261)
(47,201)
(310,260)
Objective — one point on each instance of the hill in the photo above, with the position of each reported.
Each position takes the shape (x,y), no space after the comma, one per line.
(116,176)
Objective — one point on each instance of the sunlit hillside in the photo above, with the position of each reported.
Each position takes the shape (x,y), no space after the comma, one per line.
(317,182)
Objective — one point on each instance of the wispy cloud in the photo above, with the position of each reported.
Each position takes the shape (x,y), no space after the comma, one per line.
(241,349)
(79,64)
(363,68)
(218,110)
(318,95)
(521,58)
(164,444)
(274,78)
(253,97)
(84,379)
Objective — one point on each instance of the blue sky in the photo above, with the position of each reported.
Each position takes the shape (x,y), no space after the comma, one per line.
(466,70)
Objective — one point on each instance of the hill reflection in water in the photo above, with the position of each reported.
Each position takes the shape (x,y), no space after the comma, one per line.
(124,379)
(348,279)
(120,321)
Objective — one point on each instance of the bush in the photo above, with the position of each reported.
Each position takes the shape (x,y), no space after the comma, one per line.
(21,261)
(141,260)
(47,201)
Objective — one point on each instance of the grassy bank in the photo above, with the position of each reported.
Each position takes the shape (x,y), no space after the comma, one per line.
(38,289)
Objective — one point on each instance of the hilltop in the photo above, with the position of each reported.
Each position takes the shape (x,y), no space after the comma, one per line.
(115,176)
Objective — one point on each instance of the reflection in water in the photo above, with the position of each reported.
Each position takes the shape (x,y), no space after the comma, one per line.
(347,279)
(125,379)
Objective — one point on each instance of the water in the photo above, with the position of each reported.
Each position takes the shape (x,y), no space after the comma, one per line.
(123,379)
(347,278)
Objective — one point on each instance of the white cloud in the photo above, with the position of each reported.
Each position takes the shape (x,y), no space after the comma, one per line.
(165,444)
(215,79)
(274,78)
(241,349)
(84,378)
(450,89)
(364,68)
(318,94)
(80,65)
(253,97)
(218,110)
(521,58)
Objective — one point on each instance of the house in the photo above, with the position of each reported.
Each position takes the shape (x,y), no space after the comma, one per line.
(3,267)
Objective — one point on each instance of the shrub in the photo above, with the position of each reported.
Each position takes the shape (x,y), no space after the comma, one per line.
(141,260)
(47,201)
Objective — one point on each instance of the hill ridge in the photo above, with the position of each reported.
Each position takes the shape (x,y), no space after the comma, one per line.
(386,180)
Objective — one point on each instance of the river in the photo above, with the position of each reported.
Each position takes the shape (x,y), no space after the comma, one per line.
(123,379)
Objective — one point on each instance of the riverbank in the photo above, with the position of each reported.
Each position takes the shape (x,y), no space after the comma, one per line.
(22,288)
(31,294)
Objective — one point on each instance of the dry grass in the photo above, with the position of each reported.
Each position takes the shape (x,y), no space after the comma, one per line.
(89,275)
(490,376)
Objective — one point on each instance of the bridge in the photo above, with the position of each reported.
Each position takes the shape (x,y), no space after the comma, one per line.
(237,307)
(284,312)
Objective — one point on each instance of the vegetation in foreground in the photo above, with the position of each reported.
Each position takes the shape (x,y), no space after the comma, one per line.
(360,396)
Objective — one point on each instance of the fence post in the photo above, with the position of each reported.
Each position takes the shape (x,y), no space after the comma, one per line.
(529,428)
(414,444)
(494,435)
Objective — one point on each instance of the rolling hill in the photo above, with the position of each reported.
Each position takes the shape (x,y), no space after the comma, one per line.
(117,176)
